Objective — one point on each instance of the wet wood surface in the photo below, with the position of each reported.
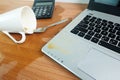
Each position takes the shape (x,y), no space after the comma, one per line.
(26,61)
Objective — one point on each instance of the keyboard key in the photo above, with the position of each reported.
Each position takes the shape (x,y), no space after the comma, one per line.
(82,29)
(119,44)
(81,34)
(104,24)
(117,24)
(91,33)
(90,27)
(110,22)
(110,26)
(88,37)
(84,21)
(98,35)
(92,19)
(87,17)
(104,33)
(98,20)
(74,31)
(95,40)
(118,38)
(109,46)
(82,25)
(112,30)
(111,35)
(97,30)
(98,26)
(104,28)
(104,38)
(92,24)
(117,28)
(114,42)
(118,33)
(104,21)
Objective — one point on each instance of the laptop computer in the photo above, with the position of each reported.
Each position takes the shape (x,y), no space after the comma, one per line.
(89,46)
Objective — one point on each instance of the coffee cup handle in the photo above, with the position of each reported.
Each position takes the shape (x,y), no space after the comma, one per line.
(14,40)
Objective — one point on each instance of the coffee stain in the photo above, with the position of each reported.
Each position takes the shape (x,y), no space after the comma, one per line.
(56,47)
(25,29)
(5,68)
(52,46)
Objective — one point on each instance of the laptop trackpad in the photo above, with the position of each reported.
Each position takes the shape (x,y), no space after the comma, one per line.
(100,66)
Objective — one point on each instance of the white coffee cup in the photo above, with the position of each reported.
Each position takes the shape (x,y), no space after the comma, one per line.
(21,20)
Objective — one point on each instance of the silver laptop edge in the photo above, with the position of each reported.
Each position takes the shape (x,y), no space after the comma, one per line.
(57,49)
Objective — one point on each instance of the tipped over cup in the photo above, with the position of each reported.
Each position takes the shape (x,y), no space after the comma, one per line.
(21,20)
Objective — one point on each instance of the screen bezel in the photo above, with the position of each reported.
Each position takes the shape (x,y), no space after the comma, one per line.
(104,8)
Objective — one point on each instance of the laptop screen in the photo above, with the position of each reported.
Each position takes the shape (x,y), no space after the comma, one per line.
(107,6)
(109,2)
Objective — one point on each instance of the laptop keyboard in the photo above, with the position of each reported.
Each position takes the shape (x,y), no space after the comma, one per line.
(102,32)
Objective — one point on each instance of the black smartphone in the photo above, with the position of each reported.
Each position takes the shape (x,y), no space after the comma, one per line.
(43,8)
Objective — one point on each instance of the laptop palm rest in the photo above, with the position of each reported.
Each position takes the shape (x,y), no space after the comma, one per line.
(100,66)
